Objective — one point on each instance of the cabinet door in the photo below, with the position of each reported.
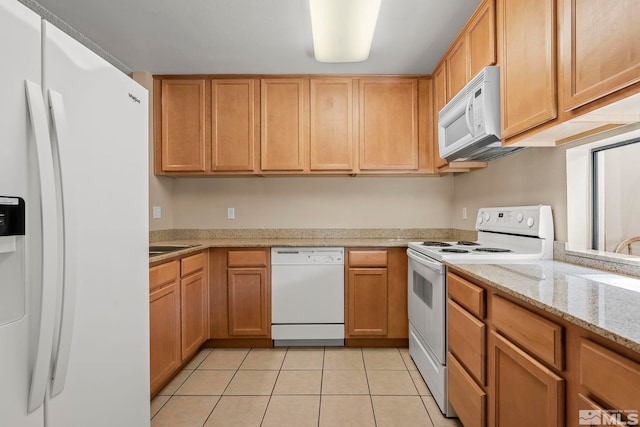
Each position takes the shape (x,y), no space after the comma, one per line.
(439,101)
(249,302)
(233,125)
(524,387)
(284,127)
(457,67)
(331,124)
(600,49)
(183,125)
(164,333)
(526,42)
(481,38)
(367,291)
(194,313)
(388,124)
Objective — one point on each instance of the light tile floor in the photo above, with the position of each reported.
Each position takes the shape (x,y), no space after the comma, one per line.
(298,387)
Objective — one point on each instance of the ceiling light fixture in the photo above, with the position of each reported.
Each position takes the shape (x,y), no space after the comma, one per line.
(343,29)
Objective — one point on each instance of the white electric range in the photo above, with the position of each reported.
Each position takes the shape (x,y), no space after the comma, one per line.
(504,234)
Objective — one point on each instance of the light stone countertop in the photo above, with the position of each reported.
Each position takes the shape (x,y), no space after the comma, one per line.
(199,245)
(599,301)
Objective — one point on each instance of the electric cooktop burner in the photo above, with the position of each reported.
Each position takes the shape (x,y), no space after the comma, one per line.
(454,250)
(438,244)
(492,250)
(467,243)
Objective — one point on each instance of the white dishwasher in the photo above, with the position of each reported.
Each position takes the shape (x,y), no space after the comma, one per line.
(307,296)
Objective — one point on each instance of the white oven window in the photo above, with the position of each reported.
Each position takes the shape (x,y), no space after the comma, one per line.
(423,289)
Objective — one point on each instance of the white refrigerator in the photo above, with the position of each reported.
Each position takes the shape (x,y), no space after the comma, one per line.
(74,297)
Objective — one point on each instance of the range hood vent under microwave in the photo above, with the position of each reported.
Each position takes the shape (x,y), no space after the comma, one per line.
(469,125)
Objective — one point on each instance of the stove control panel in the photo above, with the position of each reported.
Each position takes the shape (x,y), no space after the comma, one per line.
(534,221)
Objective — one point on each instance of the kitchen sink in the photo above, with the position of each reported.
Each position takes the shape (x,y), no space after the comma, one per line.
(165,249)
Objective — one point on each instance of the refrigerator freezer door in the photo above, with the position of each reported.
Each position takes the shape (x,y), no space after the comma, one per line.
(19,303)
(105,171)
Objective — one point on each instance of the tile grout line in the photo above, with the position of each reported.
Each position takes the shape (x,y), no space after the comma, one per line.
(274,385)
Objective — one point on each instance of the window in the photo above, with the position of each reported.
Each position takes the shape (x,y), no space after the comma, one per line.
(616,197)
(603,194)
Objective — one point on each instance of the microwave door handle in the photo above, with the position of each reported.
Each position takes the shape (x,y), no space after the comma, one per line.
(467,115)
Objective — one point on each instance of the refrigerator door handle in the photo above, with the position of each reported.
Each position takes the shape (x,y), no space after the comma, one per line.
(62,348)
(40,375)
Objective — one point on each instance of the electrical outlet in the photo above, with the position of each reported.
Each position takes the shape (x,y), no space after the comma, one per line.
(157,212)
(231,213)
(464,213)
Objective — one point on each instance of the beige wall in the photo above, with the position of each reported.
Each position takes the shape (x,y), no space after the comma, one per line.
(313,202)
(529,177)
(160,188)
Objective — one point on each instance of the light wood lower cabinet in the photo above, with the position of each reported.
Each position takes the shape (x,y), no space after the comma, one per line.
(164,323)
(194,303)
(526,393)
(376,296)
(240,292)
(248,302)
(541,370)
(178,315)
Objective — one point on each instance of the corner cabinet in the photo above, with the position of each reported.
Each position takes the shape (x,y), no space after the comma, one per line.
(240,290)
(376,297)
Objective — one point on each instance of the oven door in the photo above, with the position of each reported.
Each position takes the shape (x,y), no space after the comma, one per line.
(426,301)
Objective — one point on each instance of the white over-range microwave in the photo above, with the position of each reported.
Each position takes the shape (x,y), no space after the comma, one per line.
(469,125)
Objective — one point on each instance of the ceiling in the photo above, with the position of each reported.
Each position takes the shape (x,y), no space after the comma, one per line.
(257,36)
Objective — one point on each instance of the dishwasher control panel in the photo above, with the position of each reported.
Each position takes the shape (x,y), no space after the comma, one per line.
(312,256)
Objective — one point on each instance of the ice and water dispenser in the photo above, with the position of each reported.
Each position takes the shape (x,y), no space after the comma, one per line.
(12,260)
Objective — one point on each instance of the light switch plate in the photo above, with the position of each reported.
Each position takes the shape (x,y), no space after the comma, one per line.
(157,212)
(231,213)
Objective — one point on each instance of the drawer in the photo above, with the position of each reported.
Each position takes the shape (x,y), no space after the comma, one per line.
(586,404)
(467,294)
(466,397)
(541,337)
(610,377)
(467,340)
(255,258)
(164,273)
(373,258)
(193,263)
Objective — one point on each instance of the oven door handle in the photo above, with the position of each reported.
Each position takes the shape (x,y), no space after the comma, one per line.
(427,262)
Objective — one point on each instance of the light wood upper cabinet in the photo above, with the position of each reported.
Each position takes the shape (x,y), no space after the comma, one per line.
(600,48)
(439,101)
(234,124)
(481,42)
(472,50)
(284,124)
(527,51)
(331,124)
(457,69)
(388,124)
(182,123)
